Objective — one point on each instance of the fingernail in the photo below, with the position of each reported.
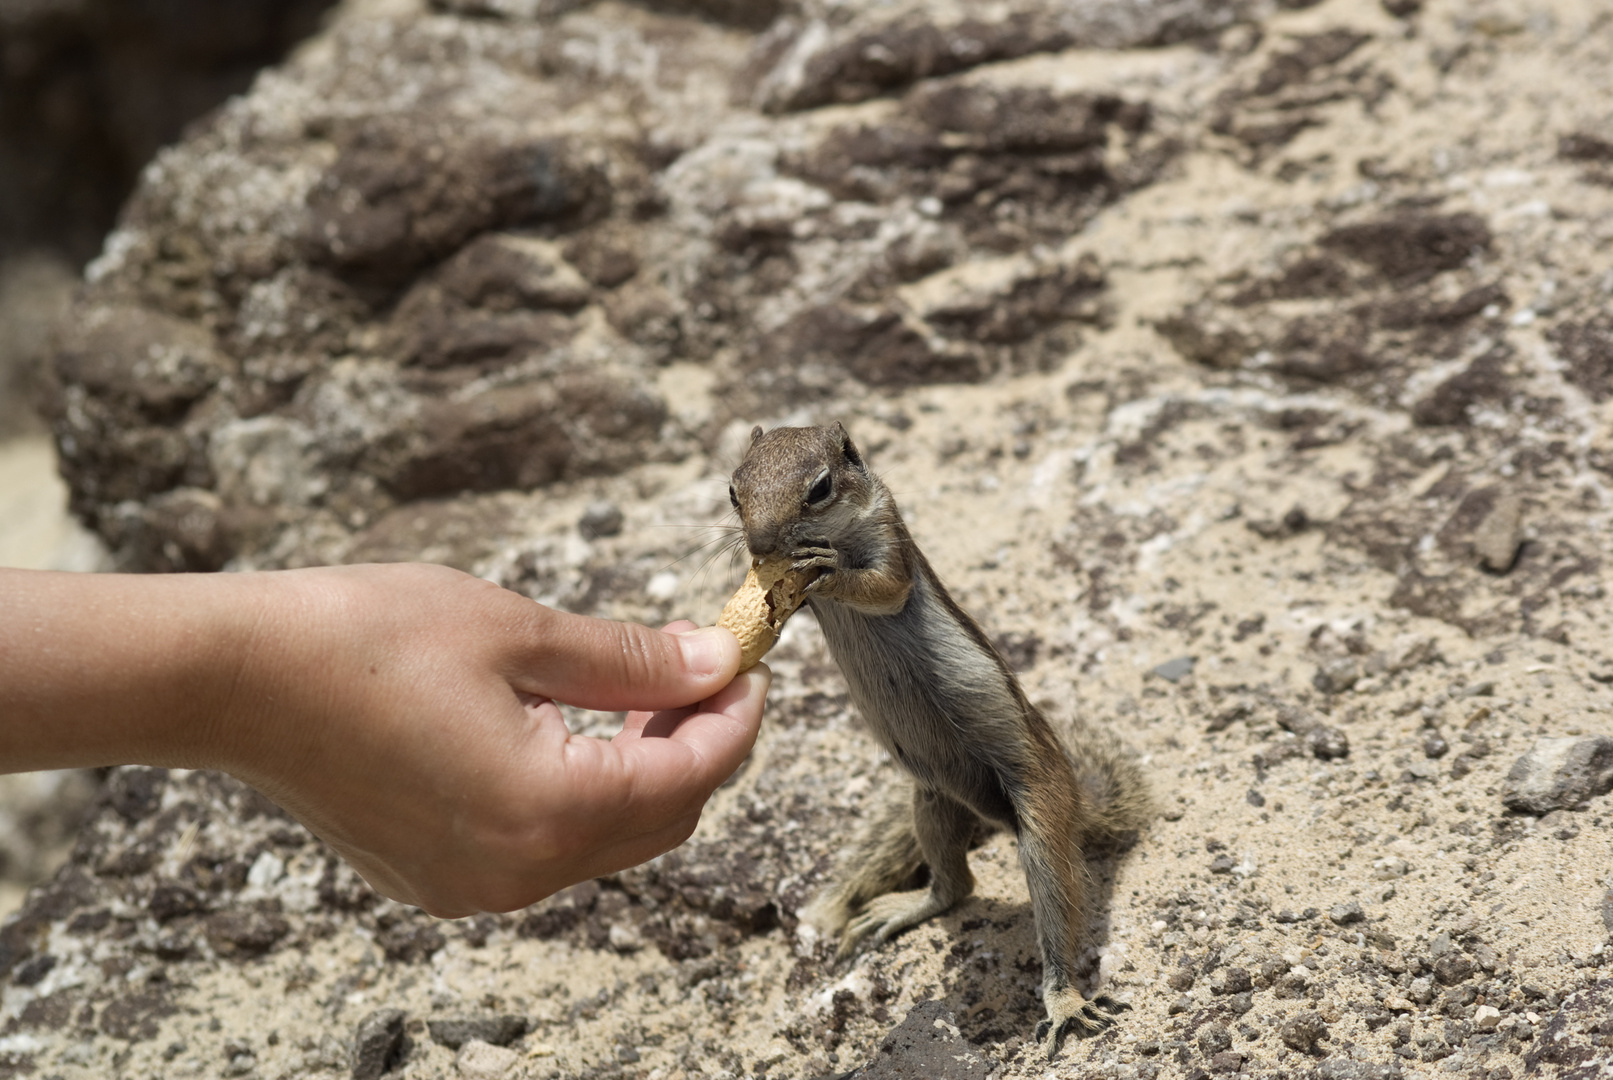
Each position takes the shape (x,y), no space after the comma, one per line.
(703,650)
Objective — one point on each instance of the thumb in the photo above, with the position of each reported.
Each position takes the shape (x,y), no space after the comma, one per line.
(600,664)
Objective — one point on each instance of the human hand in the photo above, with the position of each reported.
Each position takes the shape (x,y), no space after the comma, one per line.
(406,715)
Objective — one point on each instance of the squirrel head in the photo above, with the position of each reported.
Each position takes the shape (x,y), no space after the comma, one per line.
(800,487)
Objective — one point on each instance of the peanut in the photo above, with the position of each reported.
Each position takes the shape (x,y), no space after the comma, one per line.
(756,613)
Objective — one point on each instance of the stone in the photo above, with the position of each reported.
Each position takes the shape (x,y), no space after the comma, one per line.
(1389,868)
(1499,536)
(1486,1018)
(1574,1035)
(927,1044)
(1559,774)
(1233,980)
(478,1060)
(1346,914)
(65,172)
(600,519)
(1214,1039)
(1340,1068)
(1453,968)
(1175,670)
(1327,743)
(378,1043)
(493,1030)
(1421,990)
(1337,675)
(1303,1031)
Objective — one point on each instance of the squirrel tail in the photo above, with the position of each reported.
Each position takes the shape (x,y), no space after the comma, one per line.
(1116,791)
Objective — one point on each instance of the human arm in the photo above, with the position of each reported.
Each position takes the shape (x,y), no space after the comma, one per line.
(402,712)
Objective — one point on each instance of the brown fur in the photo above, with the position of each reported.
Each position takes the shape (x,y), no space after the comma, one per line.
(938,695)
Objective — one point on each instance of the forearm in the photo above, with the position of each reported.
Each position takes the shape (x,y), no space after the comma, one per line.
(105,669)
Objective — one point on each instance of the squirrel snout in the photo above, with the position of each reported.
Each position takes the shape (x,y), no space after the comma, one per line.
(762,542)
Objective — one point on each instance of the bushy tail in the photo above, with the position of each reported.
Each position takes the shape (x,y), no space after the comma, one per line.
(1110,777)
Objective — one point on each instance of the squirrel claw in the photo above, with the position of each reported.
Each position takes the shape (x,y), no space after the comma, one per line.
(826,560)
(1069,1013)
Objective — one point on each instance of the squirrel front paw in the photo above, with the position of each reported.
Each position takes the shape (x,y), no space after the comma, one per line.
(825,560)
(1068,1011)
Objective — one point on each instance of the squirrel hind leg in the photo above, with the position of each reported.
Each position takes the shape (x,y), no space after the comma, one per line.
(886,858)
(943,829)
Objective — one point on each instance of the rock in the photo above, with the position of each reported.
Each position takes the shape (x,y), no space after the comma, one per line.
(1175,670)
(600,519)
(378,1044)
(493,1030)
(1214,1039)
(1573,1037)
(1389,868)
(1328,743)
(1337,675)
(1497,539)
(1303,1031)
(1180,980)
(1421,990)
(1560,774)
(1607,910)
(927,1044)
(1486,1017)
(478,1060)
(1346,914)
(1231,981)
(1453,968)
(65,172)
(1434,745)
(1337,1068)
(1408,651)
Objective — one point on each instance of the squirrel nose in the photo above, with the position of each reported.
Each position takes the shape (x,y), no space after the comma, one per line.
(761,540)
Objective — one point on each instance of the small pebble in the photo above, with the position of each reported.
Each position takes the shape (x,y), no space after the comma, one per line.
(1176,670)
(1303,1031)
(602,518)
(1345,914)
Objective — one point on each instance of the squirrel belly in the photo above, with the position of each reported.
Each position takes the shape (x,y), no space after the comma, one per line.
(937,703)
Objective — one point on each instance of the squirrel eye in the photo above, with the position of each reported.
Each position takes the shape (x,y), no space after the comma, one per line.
(733,496)
(820,490)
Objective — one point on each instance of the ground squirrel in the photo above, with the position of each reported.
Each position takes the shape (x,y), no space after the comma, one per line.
(941,699)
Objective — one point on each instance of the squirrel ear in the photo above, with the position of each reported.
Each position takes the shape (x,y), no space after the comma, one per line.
(755,433)
(847,447)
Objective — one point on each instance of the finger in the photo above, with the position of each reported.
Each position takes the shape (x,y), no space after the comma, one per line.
(677,762)
(654,725)
(633,850)
(599,664)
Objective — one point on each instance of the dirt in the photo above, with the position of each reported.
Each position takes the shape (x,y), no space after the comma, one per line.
(1219,371)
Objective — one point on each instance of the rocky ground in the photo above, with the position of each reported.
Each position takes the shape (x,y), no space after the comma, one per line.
(1246,370)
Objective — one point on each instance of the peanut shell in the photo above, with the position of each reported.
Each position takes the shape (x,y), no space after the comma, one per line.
(756,613)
